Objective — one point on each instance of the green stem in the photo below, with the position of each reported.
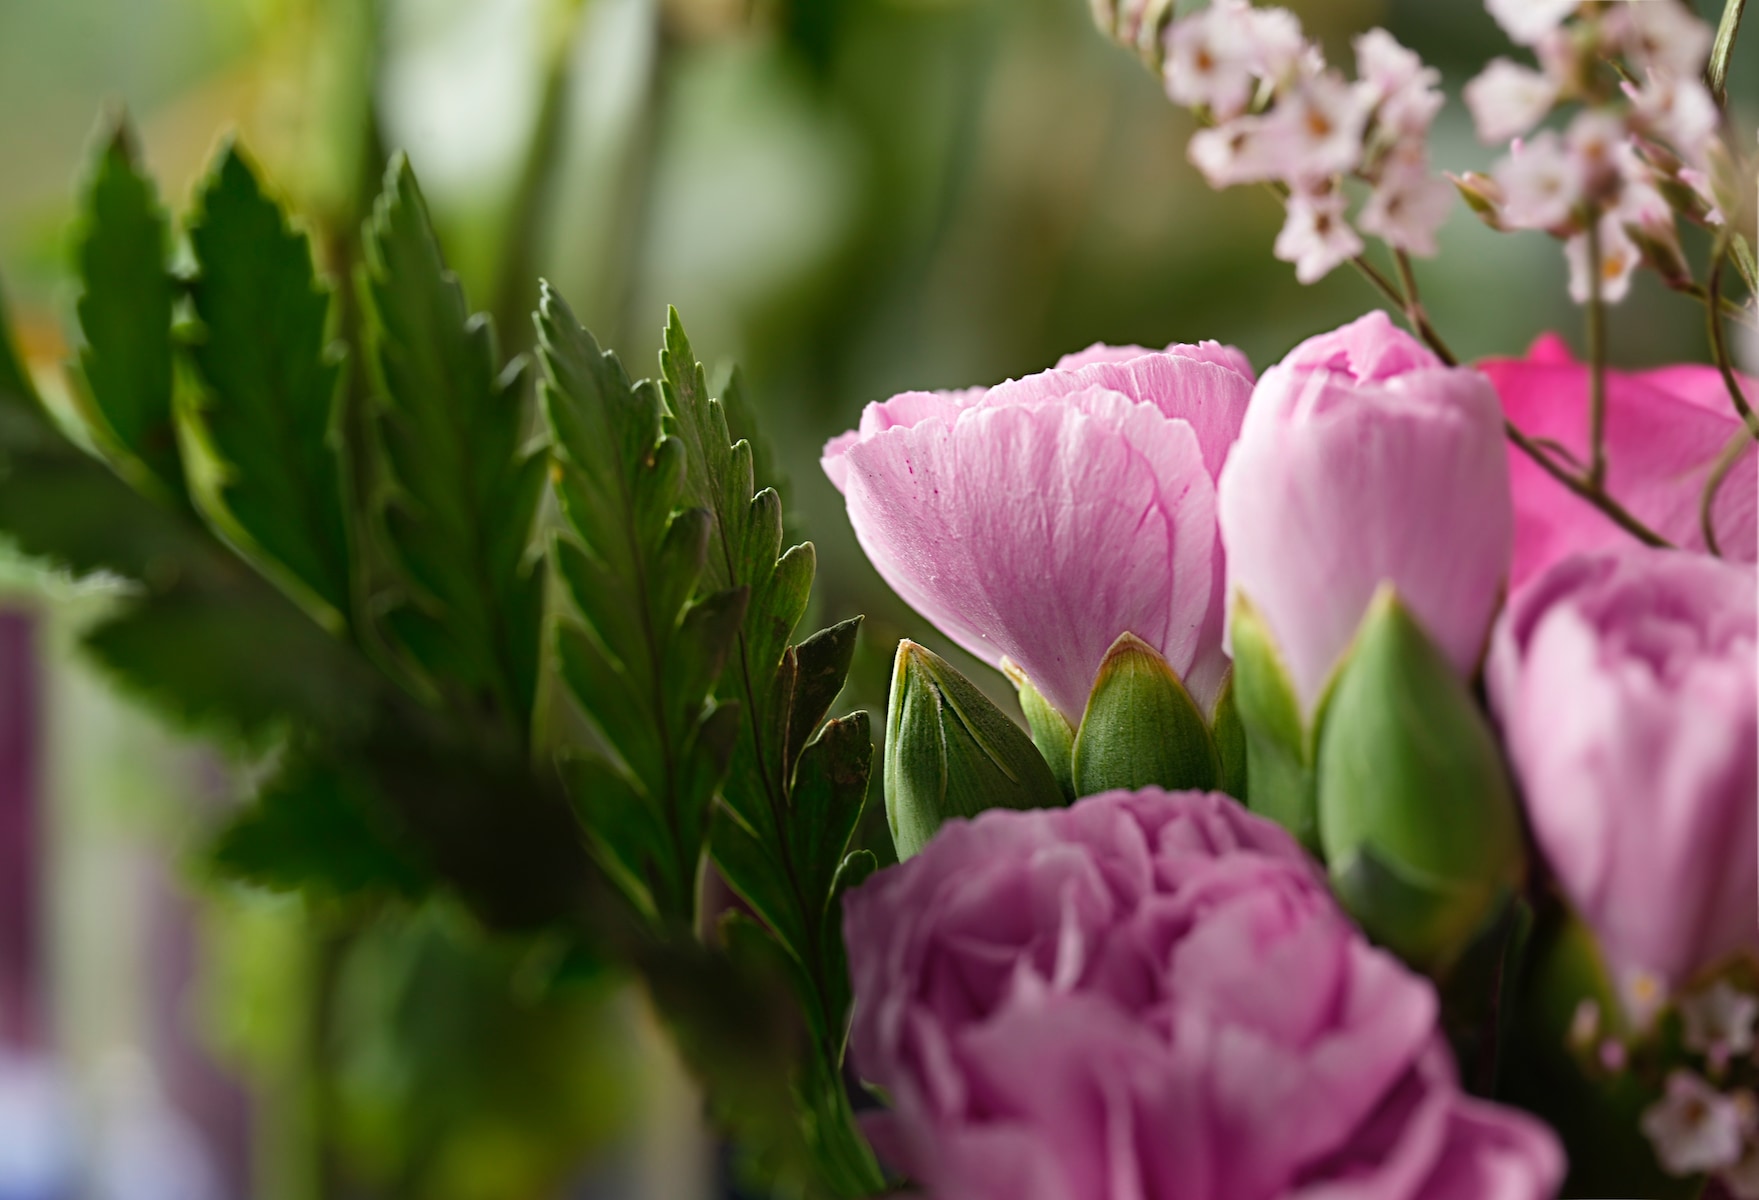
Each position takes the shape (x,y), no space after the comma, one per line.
(1596,363)
(1716,74)
(1719,340)
(1416,314)
(1725,463)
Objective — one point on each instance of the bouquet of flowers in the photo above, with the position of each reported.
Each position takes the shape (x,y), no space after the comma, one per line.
(1385,817)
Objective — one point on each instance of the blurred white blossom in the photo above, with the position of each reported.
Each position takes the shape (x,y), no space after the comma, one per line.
(1317,236)
(1507,100)
(1695,1128)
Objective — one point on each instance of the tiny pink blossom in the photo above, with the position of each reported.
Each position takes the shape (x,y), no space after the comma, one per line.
(1679,112)
(1408,205)
(1318,126)
(1317,236)
(1406,92)
(1699,182)
(1540,182)
(1595,141)
(1527,21)
(1719,1020)
(1507,100)
(1693,1127)
(1662,36)
(1238,151)
(1216,57)
(1619,257)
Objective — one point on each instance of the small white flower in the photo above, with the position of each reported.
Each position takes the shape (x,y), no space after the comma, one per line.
(1317,236)
(1694,1128)
(1679,111)
(1742,1179)
(1216,57)
(1663,36)
(1405,91)
(1526,21)
(1719,1020)
(1318,127)
(1594,141)
(1541,184)
(1237,151)
(1584,1025)
(1619,257)
(1507,100)
(1408,205)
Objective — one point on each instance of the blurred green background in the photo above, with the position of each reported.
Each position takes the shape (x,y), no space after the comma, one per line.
(847,197)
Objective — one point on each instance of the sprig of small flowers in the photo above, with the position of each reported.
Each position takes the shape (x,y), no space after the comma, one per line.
(1698,1050)
(1276,113)
(1641,151)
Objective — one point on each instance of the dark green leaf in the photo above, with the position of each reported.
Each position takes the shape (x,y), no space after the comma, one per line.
(830,789)
(821,665)
(629,838)
(269,475)
(125,316)
(465,489)
(320,826)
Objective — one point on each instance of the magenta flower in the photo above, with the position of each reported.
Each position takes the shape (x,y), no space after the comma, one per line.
(1625,686)
(1364,460)
(1041,519)
(1664,430)
(1153,995)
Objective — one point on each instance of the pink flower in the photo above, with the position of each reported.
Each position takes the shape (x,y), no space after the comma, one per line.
(1409,204)
(1529,21)
(1216,57)
(1618,261)
(1153,995)
(1407,93)
(1364,460)
(1507,100)
(1041,519)
(1541,183)
(1664,430)
(1316,235)
(1624,684)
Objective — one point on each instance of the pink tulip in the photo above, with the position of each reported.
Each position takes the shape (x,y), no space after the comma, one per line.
(1153,995)
(1041,519)
(1364,460)
(1664,430)
(1624,682)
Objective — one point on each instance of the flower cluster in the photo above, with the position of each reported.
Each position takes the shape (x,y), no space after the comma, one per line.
(1278,114)
(1638,150)
(1707,1120)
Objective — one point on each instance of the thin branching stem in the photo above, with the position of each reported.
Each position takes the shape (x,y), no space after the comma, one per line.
(1725,463)
(1596,319)
(1719,341)
(1716,74)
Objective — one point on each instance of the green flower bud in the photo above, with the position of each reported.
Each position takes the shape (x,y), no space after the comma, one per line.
(1141,727)
(1416,815)
(1279,755)
(952,753)
(1051,731)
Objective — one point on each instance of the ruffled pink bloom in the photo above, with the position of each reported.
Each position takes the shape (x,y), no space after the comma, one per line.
(1153,995)
(1041,519)
(1625,686)
(1664,431)
(1363,460)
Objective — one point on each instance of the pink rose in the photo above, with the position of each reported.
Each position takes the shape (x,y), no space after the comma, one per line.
(1624,682)
(1153,995)
(1364,460)
(1041,519)
(1664,430)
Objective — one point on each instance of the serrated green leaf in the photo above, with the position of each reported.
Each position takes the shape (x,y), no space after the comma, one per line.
(752,870)
(464,488)
(830,789)
(318,826)
(822,664)
(266,469)
(699,650)
(630,841)
(124,311)
(15,384)
(242,662)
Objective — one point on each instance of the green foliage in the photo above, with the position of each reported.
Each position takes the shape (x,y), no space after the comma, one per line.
(462,488)
(125,306)
(318,825)
(644,660)
(1278,744)
(266,471)
(791,802)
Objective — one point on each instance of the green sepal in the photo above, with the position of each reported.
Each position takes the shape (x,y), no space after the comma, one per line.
(1416,814)
(1278,750)
(1230,741)
(952,753)
(1051,731)
(1141,727)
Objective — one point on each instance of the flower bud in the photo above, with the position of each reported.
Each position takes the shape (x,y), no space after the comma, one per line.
(1483,195)
(1051,731)
(952,753)
(1416,814)
(1141,728)
(1279,752)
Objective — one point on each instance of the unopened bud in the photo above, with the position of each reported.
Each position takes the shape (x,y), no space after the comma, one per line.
(1141,727)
